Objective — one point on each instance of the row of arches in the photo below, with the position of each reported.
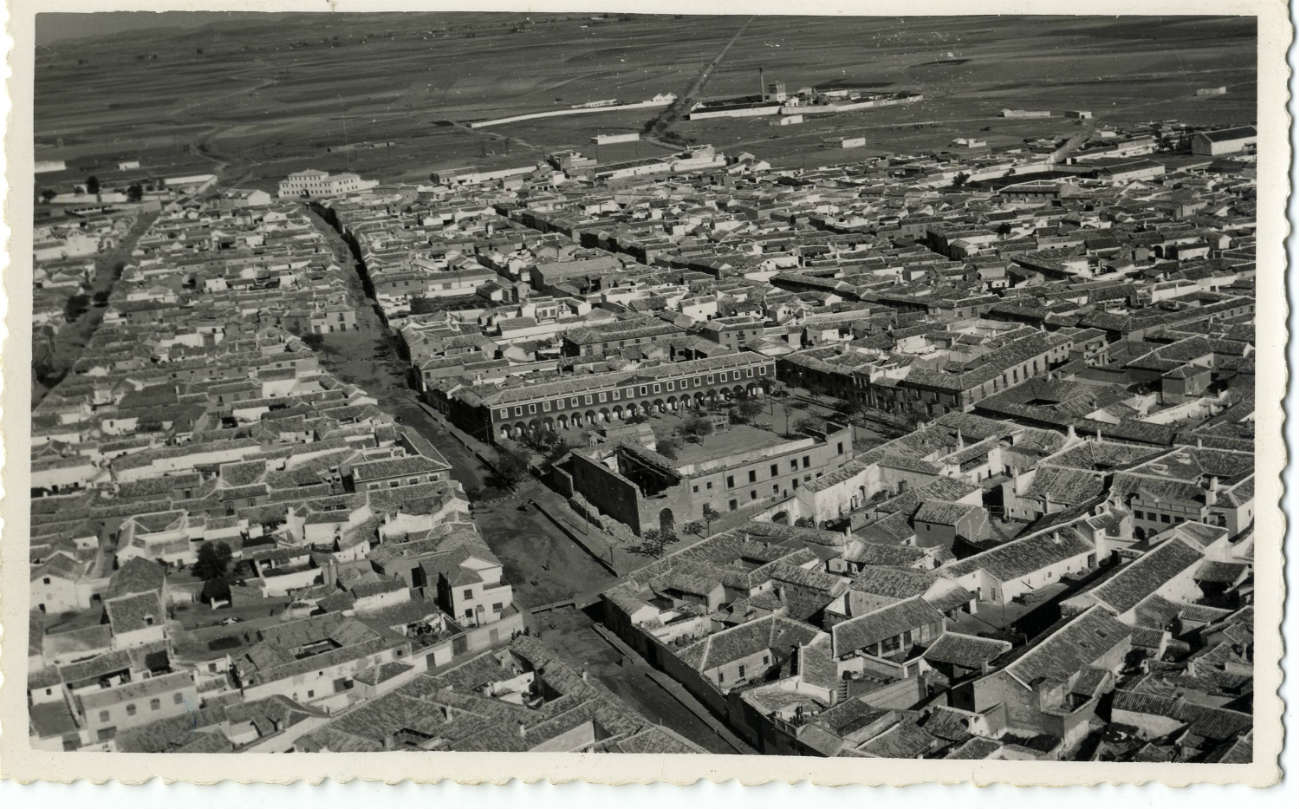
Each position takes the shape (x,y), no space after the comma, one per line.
(595,417)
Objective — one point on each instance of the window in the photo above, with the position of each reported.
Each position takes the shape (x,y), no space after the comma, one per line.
(658,387)
(155,704)
(177,698)
(1164,518)
(103,716)
(643,390)
(469,613)
(617,394)
(762,370)
(519,410)
(839,448)
(532,408)
(731,482)
(669,384)
(130,709)
(806,461)
(467,593)
(311,693)
(695,489)
(546,406)
(697,381)
(753,494)
(587,398)
(749,372)
(630,394)
(735,375)
(740,672)
(573,401)
(496,606)
(753,476)
(732,505)
(505,413)
(794,464)
(46,580)
(710,378)
(775,489)
(708,485)
(600,397)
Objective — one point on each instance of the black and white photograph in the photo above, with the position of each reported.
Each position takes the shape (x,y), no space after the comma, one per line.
(872,389)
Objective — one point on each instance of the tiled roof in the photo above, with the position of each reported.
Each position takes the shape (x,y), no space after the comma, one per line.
(887,622)
(968,651)
(1070,649)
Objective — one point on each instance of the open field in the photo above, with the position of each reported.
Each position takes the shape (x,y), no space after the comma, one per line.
(254,99)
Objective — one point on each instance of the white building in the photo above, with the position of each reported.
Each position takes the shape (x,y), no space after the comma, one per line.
(1224,141)
(316,183)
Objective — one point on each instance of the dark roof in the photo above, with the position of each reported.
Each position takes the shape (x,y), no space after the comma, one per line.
(968,651)
(887,622)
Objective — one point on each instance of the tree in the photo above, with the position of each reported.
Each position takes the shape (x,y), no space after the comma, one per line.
(92,184)
(960,179)
(215,590)
(694,527)
(709,516)
(76,307)
(134,193)
(512,467)
(696,427)
(806,423)
(849,407)
(652,540)
(668,447)
(213,563)
(48,194)
(747,410)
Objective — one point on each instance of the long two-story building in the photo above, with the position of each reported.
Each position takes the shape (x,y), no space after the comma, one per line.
(594,399)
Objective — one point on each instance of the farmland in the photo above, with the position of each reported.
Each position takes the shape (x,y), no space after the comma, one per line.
(256,98)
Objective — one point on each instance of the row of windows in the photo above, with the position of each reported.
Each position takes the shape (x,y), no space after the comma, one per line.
(155,704)
(732,504)
(396,482)
(644,390)
(740,670)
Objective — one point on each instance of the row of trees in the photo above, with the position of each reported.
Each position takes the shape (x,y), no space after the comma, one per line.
(655,540)
(134,191)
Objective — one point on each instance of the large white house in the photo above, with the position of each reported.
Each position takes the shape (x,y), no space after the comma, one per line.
(316,183)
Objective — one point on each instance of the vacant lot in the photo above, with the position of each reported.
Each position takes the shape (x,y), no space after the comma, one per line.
(254,99)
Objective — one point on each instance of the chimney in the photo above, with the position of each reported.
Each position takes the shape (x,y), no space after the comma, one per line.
(1071,435)
(961,442)
(523,731)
